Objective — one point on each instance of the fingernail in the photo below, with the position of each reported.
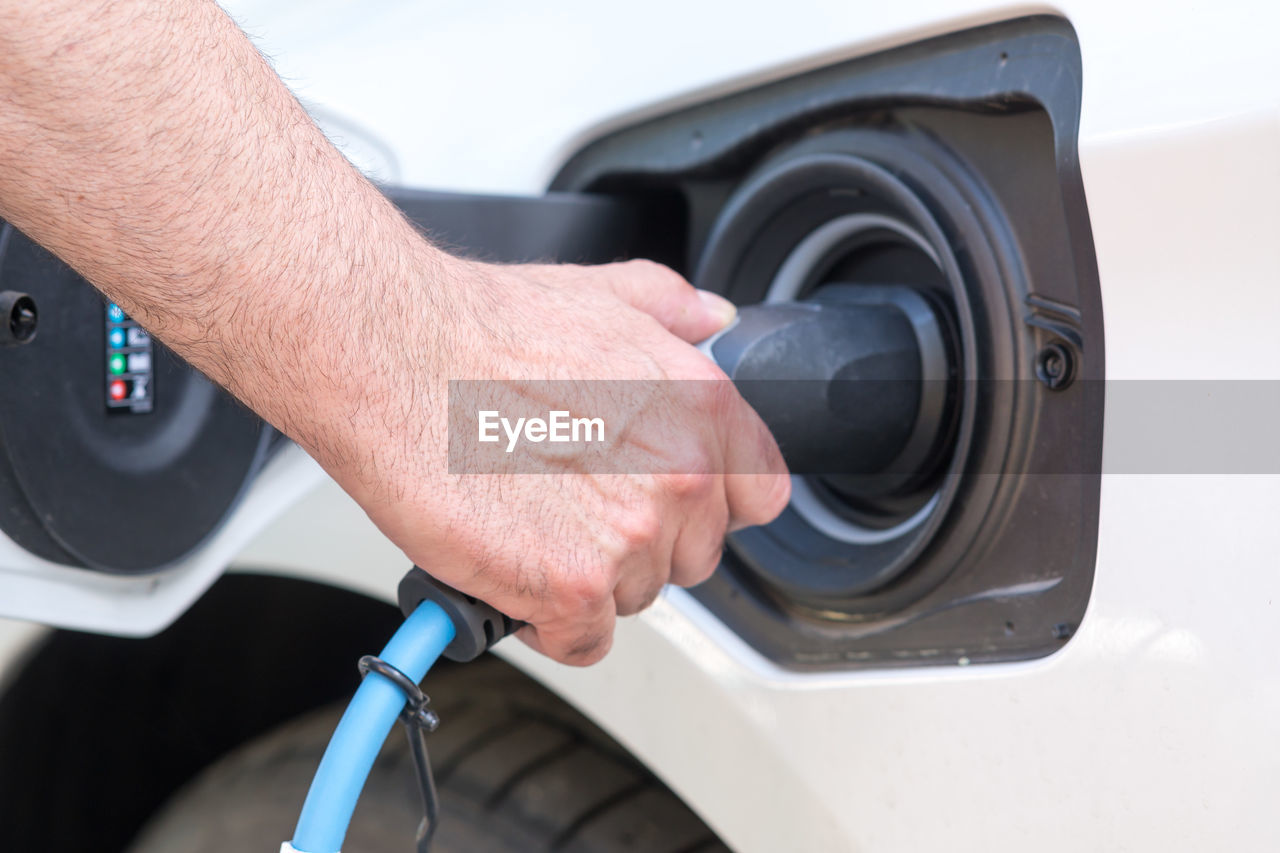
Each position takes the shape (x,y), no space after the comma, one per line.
(722,308)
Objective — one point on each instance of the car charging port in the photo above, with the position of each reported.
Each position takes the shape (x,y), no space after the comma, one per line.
(921,525)
(822,224)
(854,383)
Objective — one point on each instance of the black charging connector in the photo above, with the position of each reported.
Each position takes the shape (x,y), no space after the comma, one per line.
(478,625)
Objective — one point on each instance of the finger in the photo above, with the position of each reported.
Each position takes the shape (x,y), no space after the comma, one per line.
(636,594)
(762,497)
(757,485)
(700,544)
(642,579)
(662,293)
(578,643)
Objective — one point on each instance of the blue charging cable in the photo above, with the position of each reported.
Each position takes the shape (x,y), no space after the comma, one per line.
(439,621)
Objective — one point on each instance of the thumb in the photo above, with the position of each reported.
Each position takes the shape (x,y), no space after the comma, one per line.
(688,313)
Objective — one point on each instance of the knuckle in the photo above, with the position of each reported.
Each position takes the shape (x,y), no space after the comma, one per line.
(581,592)
(641,265)
(665,279)
(653,269)
(693,482)
(639,527)
(706,371)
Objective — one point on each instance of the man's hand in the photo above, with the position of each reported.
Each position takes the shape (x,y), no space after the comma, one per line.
(152,148)
(568,552)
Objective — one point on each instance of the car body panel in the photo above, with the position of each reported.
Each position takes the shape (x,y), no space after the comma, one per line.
(1154,727)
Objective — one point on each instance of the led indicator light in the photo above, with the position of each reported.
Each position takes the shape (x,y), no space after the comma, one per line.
(130,362)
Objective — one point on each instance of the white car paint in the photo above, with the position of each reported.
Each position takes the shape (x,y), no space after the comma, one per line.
(1154,728)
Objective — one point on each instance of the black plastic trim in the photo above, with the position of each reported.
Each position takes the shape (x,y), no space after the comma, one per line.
(83,489)
(983,120)
(558,227)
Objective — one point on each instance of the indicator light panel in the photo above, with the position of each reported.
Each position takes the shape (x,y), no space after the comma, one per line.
(129,378)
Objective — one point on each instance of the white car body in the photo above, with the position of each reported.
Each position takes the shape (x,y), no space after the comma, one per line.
(1154,728)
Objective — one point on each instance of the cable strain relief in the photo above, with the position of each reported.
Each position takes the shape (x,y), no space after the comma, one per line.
(478,625)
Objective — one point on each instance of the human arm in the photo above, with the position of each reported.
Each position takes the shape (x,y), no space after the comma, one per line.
(151,147)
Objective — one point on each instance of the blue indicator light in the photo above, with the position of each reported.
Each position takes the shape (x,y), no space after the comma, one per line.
(130,362)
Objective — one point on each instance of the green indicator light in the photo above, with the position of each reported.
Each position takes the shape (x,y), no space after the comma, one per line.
(116,363)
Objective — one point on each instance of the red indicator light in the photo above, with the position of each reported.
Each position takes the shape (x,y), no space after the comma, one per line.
(118,390)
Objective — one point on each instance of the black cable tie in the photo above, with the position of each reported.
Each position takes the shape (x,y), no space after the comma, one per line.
(418,721)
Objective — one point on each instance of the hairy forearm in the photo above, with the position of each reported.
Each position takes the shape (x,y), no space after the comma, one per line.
(151,147)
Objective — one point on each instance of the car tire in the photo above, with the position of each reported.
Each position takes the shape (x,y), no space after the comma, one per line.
(517,770)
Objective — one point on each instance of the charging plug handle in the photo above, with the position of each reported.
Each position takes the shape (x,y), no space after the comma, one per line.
(478,625)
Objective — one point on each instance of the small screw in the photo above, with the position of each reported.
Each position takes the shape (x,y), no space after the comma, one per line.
(1055,366)
(1063,631)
